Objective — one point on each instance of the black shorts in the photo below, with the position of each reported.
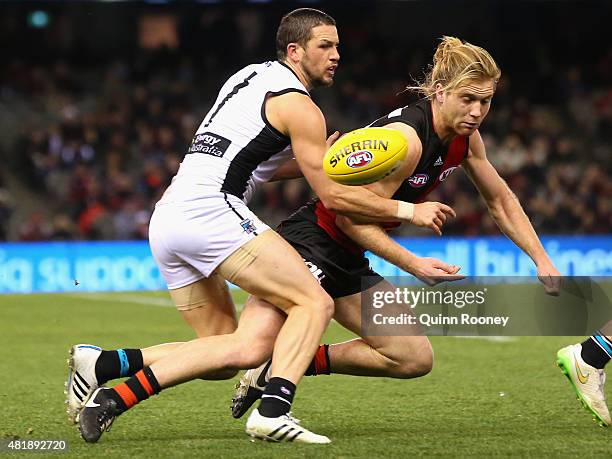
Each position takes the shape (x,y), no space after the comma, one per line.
(339,271)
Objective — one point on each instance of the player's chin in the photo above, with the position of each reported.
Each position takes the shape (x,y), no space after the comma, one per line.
(323,83)
(327,80)
(466,130)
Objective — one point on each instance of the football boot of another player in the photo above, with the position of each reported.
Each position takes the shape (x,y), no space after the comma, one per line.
(587,381)
(284,428)
(250,388)
(97,415)
(82,379)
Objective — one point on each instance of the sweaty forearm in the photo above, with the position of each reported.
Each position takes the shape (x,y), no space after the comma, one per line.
(376,240)
(362,205)
(514,223)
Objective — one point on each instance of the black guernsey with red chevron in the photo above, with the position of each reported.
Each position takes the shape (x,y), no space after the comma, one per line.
(338,260)
(437,163)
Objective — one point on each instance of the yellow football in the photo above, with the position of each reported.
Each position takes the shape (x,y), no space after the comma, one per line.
(365,155)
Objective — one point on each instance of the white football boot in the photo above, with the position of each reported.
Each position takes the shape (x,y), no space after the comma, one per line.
(82,381)
(587,381)
(284,428)
(250,388)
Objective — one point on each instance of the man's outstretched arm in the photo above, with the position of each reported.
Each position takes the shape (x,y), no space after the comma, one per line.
(507,212)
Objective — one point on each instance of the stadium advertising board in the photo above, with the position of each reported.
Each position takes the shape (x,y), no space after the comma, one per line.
(498,256)
(77,266)
(129,266)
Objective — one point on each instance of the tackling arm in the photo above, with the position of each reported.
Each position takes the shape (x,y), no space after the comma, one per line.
(307,133)
(287,171)
(291,169)
(428,214)
(375,239)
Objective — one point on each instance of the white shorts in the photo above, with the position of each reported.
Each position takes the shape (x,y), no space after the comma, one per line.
(190,239)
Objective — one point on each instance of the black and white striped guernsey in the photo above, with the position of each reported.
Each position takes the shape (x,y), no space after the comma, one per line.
(236,149)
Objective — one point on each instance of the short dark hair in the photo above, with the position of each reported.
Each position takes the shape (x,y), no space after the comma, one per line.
(296,26)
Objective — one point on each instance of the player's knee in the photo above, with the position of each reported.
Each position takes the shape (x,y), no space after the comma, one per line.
(417,362)
(323,306)
(253,353)
(420,365)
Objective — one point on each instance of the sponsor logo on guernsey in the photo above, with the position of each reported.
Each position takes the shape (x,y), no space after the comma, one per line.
(359,159)
(248,226)
(418,180)
(446,172)
(439,161)
(209,144)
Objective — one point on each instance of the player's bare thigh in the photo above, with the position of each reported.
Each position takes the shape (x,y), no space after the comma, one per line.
(207,306)
(398,348)
(271,269)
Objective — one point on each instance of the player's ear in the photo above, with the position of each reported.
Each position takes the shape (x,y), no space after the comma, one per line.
(294,52)
(439,93)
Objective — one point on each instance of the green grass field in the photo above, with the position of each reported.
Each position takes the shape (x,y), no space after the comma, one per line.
(483,398)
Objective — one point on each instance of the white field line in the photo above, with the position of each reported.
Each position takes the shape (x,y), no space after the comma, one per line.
(148,300)
(117,298)
(497,339)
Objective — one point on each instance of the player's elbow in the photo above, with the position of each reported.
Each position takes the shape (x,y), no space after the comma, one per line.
(333,199)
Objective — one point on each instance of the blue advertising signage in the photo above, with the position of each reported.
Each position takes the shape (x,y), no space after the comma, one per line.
(129,266)
(498,256)
(78,266)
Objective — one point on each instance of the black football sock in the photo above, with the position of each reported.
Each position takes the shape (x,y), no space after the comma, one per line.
(277,398)
(320,362)
(118,364)
(597,350)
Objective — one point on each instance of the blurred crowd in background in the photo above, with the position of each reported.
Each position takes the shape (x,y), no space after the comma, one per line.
(91,144)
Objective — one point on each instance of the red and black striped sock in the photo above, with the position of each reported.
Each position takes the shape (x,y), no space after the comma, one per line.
(136,389)
(320,363)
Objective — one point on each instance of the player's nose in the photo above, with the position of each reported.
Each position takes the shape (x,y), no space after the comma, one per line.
(335,55)
(476,110)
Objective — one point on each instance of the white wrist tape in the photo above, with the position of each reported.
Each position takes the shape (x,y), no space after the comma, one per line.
(405,211)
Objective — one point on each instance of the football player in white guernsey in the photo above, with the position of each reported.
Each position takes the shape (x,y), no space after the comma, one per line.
(202,233)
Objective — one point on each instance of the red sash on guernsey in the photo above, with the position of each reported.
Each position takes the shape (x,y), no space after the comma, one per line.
(326,219)
(457,151)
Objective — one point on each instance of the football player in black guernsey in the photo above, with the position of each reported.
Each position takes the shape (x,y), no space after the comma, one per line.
(442,133)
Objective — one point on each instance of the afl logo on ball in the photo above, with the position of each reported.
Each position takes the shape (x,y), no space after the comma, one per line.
(359,159)
(418,180)
(446,172)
